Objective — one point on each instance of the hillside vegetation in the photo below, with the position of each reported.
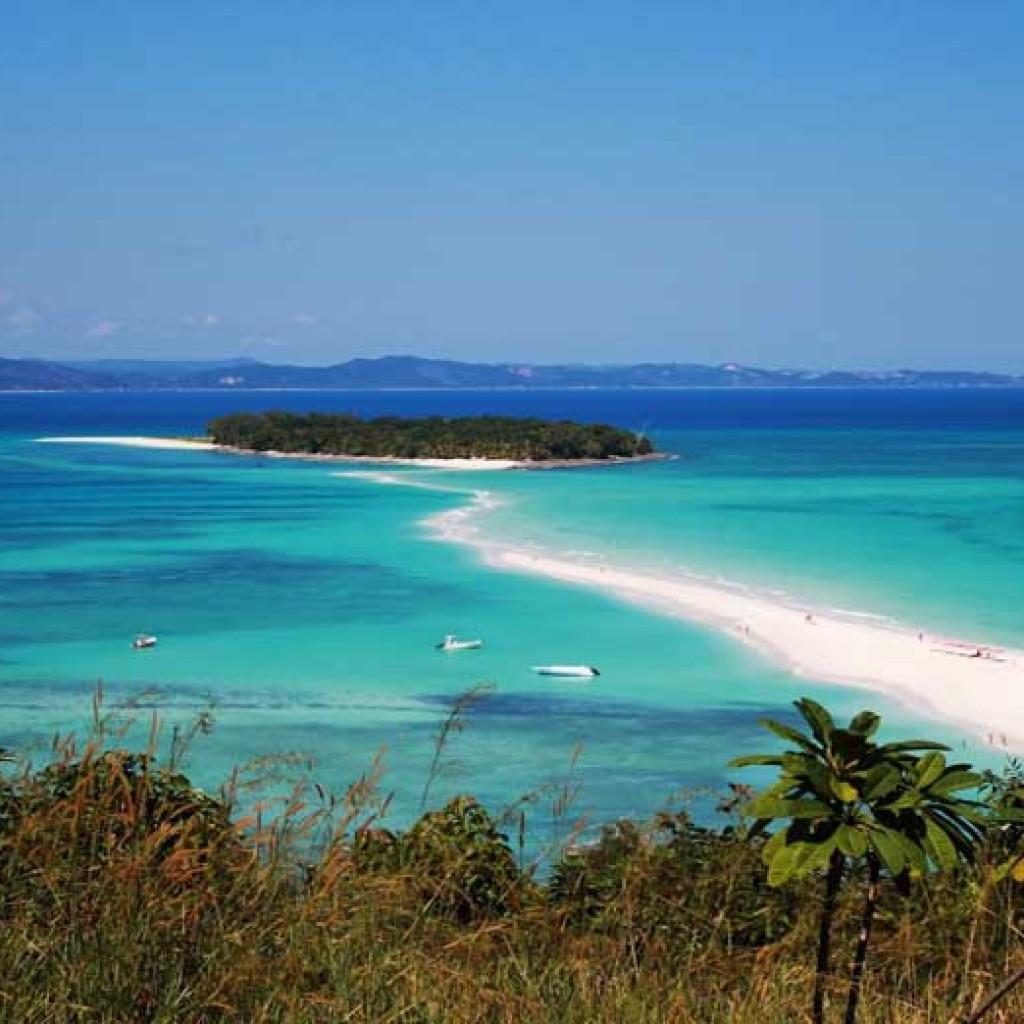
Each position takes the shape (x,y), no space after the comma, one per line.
(435,437)
(399,371)
(129,896)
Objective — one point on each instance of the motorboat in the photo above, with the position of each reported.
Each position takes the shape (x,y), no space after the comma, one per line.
(453,643)
(142,641)
(575,671)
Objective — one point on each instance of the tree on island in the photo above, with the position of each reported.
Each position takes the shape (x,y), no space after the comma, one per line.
(434,437)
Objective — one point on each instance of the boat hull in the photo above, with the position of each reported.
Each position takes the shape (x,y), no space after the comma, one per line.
(461,645)
(568,671)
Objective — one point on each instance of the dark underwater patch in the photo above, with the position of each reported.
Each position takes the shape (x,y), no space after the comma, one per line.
(201,592)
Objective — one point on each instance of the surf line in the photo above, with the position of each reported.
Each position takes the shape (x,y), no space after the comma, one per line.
(450,525)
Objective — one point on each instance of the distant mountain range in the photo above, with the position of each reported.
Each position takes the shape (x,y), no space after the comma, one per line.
(413,372)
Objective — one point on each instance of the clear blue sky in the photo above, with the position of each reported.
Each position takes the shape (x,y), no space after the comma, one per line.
(777,183)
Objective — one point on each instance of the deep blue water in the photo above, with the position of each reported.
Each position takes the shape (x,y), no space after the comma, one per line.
(942,409)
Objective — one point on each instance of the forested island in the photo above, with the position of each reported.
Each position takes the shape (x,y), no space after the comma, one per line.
(434,437)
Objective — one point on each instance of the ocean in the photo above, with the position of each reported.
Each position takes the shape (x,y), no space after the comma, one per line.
(301,602)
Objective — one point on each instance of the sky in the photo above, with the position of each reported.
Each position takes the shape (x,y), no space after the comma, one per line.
(777,183)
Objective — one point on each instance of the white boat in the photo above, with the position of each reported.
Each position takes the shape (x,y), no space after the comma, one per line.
(143,641)
(453,643)
(576,671)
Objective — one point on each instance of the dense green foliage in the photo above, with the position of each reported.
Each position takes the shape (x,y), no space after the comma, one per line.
(848,800)
(435,437)
(128,895)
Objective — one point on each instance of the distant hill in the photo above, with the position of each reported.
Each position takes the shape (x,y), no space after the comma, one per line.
(157,369)
(414,372)
(39,375)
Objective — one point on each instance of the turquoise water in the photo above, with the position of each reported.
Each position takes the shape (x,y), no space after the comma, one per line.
(305,603)
(922,527)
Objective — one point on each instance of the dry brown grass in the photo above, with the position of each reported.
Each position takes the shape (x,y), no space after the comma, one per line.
(128,896)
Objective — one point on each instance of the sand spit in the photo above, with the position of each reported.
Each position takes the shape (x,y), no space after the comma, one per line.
(459,465)
(169,443)
(977,685)
(974,684)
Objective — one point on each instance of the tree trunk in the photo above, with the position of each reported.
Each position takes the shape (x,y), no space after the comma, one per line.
(860,957)
(833,880)
(1007,986)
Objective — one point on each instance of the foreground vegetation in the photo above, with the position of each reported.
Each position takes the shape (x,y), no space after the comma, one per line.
(435,437)
(128,895)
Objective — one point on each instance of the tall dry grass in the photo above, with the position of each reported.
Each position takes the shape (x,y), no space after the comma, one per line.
(129,896)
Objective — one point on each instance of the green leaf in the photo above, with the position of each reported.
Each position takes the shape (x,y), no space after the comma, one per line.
(819,779)
(819,855)
(817,718)
(767,806)
(843,791)
(881,781)
(787,732)
(852,841)
(752,759)
(865,724)
(957,779)
(962,829)
(940,846)
(795,860)
(912,851)
(906,801)
(775,843)
(929,768)
(786,863)
(889,850)
(795,764)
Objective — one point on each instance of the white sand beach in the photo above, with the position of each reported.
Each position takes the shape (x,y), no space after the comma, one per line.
(182,444)
(976,685)
(170,443)
(460,465)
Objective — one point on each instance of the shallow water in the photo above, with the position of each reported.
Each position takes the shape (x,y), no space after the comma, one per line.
(305,602)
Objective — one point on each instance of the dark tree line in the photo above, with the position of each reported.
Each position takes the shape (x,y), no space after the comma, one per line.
(435,437)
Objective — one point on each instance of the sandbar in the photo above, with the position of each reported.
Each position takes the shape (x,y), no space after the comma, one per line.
(185,444)
(170,443)
(468,464)
(974,684)
(979,686)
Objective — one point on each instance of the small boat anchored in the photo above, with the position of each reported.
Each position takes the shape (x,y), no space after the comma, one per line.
(453,643)
(142,641)
(573,671)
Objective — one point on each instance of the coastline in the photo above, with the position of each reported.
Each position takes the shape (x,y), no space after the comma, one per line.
(134,441)
(196,444)
(977,686)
